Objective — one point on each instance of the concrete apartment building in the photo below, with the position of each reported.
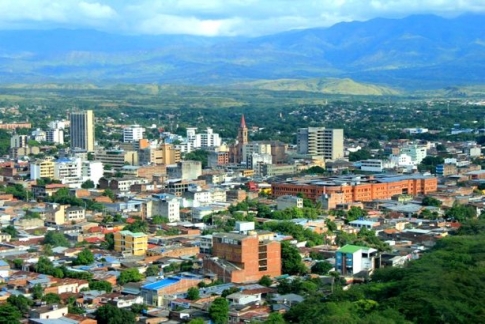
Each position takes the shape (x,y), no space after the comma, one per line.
(320,141)
(165,154)
(185,170)
(82,130)
(57,214)
(165,205)
(41,169)
(352,259)
(129,243)
(117,158)
(243,258)
(133,133)
(288,201)
(358,189)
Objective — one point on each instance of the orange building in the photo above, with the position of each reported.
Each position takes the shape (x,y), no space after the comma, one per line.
(366,189)
(243,258)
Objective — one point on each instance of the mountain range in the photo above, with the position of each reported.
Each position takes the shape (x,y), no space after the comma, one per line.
(409,53)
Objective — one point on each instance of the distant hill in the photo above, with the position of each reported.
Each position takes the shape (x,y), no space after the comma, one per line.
(409,53)
(328,86)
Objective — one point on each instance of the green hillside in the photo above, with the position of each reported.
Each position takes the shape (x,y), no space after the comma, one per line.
(328,86)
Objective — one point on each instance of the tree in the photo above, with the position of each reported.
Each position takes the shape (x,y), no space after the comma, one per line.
(137,226)
(198,155)
(47,250)
(84,257)
(322,267)
(10,230)
(88,184)
(129,275)
(360,155)
(152,270)
(109,193)
(291,259)
(197,321)
(51,298)
(275,318)
(37,291)
(461,212)
(109,241)
(219,310)
(55,239)
(431,201)
(355,213)
(193,293)
(9,314)
(109,314)
(265,281)
(138,308)
(20,302)
(158,220)
(101,285)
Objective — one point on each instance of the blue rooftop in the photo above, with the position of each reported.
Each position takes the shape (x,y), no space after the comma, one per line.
(161,284)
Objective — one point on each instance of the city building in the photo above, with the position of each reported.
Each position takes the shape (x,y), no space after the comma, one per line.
(216,159)
(352,259)
(68,170)
(57,214)
(156,293)
(445,170)
(38,135)
(166,205)
(417,153)
(358,188)
(321,142)
(236,151)
(185,170)
(129,243)
(243,258)
(92,170)
(164,154)
(82,130)
(288,201)
(133,133)
(116,158)
(55,136)
(17,141)
(42,169)
(372,165)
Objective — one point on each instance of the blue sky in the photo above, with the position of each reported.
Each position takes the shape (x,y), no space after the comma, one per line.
(214,17)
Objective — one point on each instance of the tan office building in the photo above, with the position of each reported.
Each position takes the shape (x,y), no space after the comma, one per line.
(320,141)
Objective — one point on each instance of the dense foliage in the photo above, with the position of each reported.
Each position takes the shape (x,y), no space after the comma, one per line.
(447,285)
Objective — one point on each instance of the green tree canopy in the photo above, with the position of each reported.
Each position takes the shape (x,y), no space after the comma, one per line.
(129,275)
(219,310)
(109,314)
(9,314)
(55,239)
(101,285)
(193,293)
(84,257)
(291,260)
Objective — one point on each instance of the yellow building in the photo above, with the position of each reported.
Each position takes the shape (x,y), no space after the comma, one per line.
(42,169)
(127,242)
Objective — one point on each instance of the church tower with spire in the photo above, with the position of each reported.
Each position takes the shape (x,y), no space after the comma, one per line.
(236,151)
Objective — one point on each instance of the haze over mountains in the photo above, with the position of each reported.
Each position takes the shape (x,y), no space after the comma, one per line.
(413,52)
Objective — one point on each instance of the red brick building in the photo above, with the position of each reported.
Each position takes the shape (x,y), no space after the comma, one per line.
(364,189)
(243,258)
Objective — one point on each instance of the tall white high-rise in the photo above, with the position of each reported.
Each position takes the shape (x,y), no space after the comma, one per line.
(82,130)
(133,133)
(320,141)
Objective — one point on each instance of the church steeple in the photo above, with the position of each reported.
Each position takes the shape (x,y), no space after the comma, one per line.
(242,136)
(243,122)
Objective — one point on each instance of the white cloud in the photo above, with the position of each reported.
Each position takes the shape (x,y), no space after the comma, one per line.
(96,10)
(214,17)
